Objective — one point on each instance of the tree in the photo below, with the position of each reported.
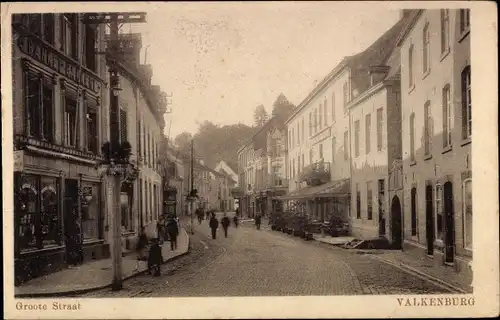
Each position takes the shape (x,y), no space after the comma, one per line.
(282,107)
(260,116)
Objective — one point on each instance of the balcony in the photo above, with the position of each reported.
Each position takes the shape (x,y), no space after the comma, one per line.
(316,174)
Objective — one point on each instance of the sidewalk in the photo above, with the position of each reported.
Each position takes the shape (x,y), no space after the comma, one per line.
(93,275)
(459,282)
(420,266)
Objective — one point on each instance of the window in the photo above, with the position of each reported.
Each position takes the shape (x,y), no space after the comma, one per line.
(139,139)
(466,104)
(298,133)
(464,20)
(70,126)
(356,138)
(150,195)
(310,124)
(467,201)
(293,168)
(334,148)
(358,202)
(303,137)
(32,105)
(368,128)
(380,126)
(369,200)
(427,128)
(320,117)
(90,212)
(90,47)
(325,112)
(412,137)
(293,137)
(346,145)
(289,139)
(426,48)
(141,202)
(48,114)
(92,135)
(413,211)
(381,205)
(310,156)
(34,23)
(333,107)
(447,119)
(445,30)
(298,164)
(439,213)
(320,150)
(68,35)
(315,120)
(48,27)
(411,81)
(347,96)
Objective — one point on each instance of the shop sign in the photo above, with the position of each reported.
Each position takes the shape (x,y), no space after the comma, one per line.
(58,62)
(18,160)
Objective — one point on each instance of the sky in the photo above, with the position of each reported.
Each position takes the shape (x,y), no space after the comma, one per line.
(220,60)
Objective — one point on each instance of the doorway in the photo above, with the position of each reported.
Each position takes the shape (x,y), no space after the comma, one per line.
(429,219)
(449,225)
(396,225)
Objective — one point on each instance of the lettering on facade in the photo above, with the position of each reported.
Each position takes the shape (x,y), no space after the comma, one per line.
(322,136)
(55,60)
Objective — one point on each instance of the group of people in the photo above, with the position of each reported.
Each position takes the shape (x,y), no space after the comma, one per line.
(225,222)
(150,251)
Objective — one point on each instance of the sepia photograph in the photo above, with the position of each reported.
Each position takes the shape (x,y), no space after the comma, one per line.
(247,150)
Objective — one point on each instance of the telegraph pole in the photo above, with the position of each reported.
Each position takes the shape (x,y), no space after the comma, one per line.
(114,20)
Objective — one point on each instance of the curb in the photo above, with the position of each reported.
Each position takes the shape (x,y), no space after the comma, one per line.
(423,275)
(87,290)
(406,268)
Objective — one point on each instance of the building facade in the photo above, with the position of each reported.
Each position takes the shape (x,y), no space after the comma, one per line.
(375,122)
(60,103)
(318,149)
(142,106)
(232,183)
(436,128)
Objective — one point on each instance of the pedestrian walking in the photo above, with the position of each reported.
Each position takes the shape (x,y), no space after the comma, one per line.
(214,224)
(173,232)
(225,224)
(235,221)
(155,258)
(141,248)
(258,220)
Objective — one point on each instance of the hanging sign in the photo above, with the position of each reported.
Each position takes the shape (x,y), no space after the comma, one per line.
(18,160)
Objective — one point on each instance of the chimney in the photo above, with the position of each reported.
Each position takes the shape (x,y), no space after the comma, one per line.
(377,74)
(404,13)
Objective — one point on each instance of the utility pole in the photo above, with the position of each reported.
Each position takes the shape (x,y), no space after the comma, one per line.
(192,186)
(114,20)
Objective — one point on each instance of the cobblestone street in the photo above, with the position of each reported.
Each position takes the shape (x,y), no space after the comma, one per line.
(257,263)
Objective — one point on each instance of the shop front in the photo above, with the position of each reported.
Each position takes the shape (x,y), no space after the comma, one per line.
(57,216)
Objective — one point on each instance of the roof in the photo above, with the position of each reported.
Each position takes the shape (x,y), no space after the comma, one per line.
(376,54)
(410,23)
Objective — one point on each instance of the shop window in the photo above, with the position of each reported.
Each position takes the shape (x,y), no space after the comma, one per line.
(467,202)
(38,213)
(90,211)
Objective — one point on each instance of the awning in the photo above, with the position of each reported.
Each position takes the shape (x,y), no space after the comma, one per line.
(337,188)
